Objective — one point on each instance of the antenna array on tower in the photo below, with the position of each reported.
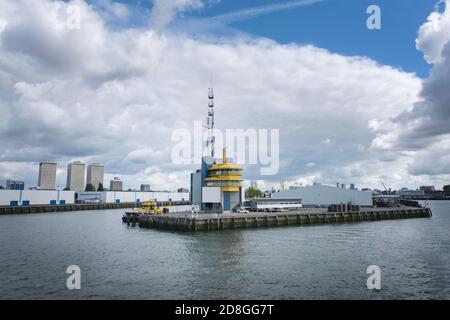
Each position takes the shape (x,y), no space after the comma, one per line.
(210,121)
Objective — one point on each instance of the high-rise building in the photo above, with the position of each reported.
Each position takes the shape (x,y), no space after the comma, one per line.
(15,185)
(95,174)
(47,175)
(145,187)
(116,184)
(75,176)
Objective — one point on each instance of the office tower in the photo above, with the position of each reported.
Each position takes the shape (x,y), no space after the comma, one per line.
(116,184)
(95,174)
(47,175)
(145,187)
(75,176)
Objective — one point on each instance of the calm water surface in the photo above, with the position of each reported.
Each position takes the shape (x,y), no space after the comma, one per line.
(305,262)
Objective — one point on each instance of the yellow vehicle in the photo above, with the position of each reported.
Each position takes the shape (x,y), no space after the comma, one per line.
(149,208)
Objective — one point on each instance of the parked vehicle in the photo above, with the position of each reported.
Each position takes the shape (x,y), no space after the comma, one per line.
(242,210)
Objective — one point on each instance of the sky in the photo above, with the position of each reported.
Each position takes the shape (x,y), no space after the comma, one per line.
(352,105)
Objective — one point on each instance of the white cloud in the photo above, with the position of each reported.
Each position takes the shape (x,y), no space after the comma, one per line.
(434,35)
(115,96)
(424,130)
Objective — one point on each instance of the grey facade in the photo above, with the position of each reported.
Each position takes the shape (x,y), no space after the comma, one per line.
(196,188)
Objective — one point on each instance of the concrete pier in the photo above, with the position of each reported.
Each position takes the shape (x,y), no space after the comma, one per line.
(213,222)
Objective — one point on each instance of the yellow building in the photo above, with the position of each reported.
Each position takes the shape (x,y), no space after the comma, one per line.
(222,186)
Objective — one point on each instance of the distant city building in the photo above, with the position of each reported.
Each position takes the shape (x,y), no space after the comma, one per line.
(196,187)
(352,186)
(183,190)
(15,185)
(405,193)
(95,174)
(446,188)
(47,175)
(75,176)
(427,188)
(145,187)
(116,184)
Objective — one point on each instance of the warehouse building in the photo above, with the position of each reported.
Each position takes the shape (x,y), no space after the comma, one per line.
(130,196)
(36,197)
(319,195)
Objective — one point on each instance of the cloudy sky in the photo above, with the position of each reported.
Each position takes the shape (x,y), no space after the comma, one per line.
(353,105)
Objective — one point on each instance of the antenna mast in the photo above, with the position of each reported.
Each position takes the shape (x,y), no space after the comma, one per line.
(210,120)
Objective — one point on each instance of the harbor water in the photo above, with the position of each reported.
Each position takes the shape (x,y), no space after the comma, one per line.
(300,262)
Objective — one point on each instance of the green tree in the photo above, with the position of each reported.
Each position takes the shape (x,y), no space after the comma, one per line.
(100,187)
(253,192)
(90,187)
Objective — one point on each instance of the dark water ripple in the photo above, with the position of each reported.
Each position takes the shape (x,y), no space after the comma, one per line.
(308,262)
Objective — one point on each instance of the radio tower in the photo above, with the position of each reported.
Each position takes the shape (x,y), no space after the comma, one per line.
(210,120)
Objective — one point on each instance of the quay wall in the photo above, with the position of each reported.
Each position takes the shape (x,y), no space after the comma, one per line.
(6,210)
(187,223)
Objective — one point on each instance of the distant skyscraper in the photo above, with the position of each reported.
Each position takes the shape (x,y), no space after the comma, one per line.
(47,175)
(145,187)
(15,185)
(95,174)
(75,176)
(116,184)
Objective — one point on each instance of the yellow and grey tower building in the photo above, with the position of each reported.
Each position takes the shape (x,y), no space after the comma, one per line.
(222,185)
(217,186)
(227,177)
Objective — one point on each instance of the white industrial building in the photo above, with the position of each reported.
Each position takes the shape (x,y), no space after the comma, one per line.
(323,195)
(36,197)
(131,196)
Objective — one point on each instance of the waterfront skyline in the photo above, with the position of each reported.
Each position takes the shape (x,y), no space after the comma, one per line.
(346,114)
